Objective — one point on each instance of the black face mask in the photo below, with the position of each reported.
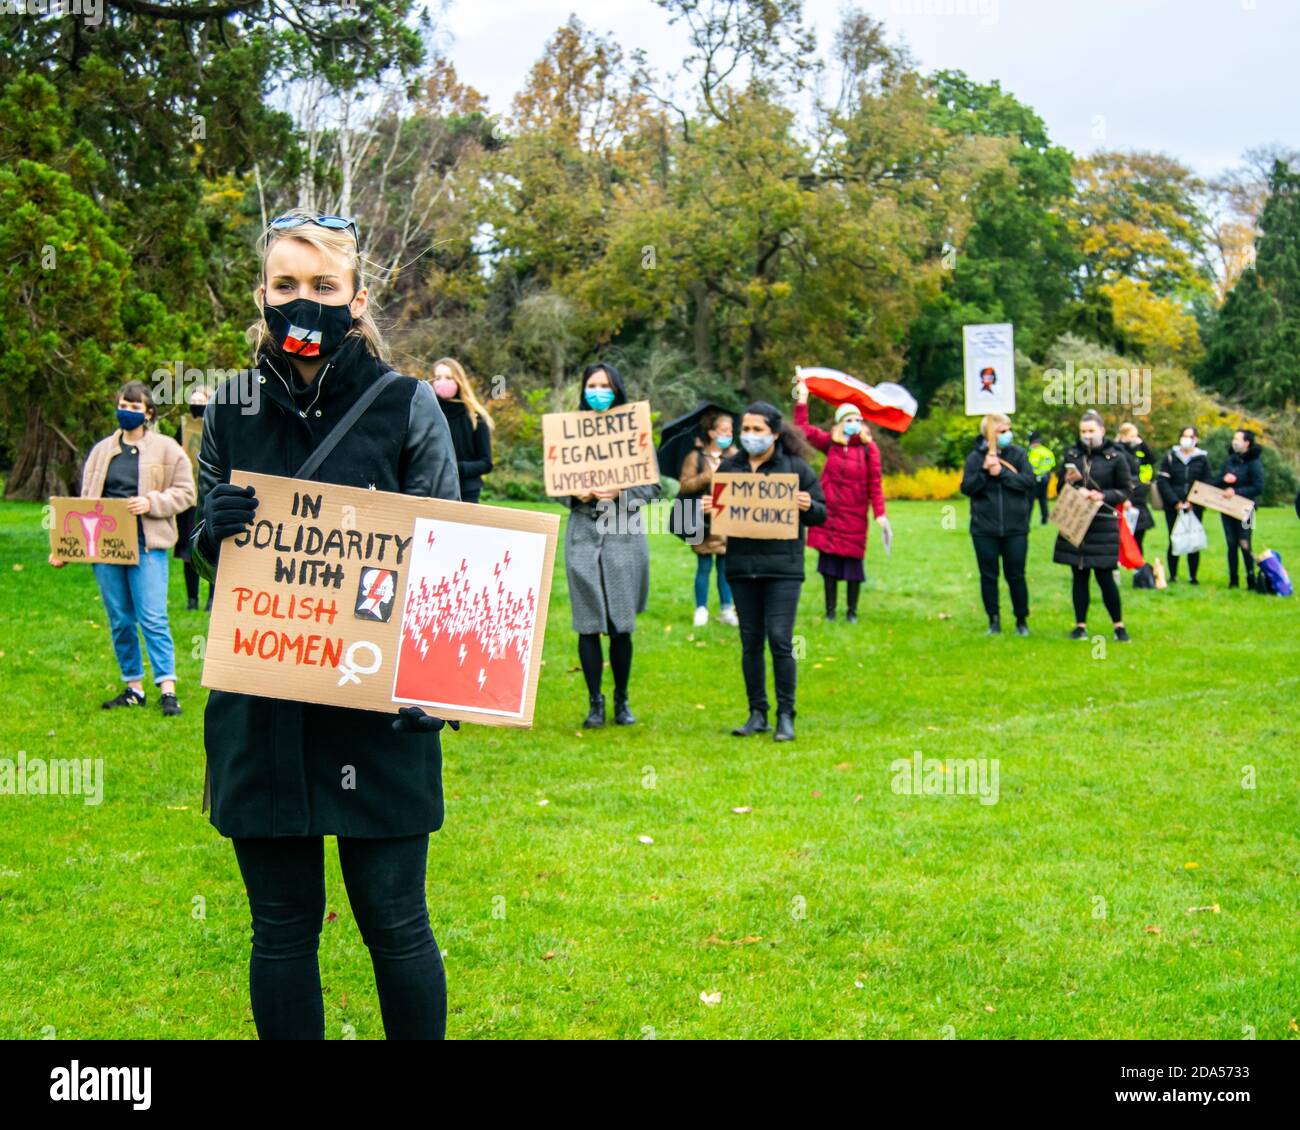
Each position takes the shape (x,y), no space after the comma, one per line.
(197,410)
(303,328)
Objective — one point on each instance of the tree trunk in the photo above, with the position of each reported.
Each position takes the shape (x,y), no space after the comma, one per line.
(46,463)
(703,352)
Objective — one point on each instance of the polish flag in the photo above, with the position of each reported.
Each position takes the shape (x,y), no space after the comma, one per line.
(302,343)
(887,404)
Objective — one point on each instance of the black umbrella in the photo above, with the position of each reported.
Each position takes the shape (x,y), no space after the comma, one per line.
(677,440)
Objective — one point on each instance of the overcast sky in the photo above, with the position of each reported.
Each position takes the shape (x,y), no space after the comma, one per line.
(1201,80)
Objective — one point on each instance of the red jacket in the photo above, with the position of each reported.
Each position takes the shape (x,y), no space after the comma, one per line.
(850,479)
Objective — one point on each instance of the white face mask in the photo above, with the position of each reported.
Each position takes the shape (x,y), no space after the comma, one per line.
(1238,447)
(1187,443)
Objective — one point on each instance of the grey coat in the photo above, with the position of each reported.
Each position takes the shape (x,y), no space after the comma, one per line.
(608,571)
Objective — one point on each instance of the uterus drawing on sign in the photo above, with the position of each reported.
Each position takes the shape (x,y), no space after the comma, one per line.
(468,618)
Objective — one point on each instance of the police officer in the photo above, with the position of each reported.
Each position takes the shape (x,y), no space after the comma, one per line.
(1042,462)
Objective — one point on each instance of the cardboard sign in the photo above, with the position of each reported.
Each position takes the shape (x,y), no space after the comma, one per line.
(587,451)
(372,600)
(192,439)
(990,368)
(755,505)
(1233,505)
(1073,514)
(94,531)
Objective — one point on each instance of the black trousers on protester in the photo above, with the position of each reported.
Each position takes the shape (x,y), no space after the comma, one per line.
(285,878)
(766,608)
(1011,550)
(1109,593)
(1236,534)
(1193,559)
(1040,492)
(593,663)
(852,589)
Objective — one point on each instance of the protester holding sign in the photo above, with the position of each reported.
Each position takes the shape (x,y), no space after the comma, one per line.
(1001,486)
(607,563)
(1100,468)
(1242,474)
(283,773)
(151,472)
(470,424)
(1183,465)
(198,403)
(711,445)
(767,574)
(851,481)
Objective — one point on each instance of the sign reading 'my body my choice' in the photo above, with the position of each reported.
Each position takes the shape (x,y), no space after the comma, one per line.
(756,506)
(587,451)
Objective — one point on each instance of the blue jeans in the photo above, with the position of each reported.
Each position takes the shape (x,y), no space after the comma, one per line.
(135,596)
(703,566)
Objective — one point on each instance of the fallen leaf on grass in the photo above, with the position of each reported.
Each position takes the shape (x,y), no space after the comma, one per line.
(816,792)
(548,955)
(646,839)
(1197,909)
(740,810)
(747,940)
(1151,929)
(343,1002)
(711,998)
(1190,866)
(989,1008)
(844,766)
(331,917)
(543,803)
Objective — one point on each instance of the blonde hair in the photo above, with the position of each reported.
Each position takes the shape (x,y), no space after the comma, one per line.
(1127,428)
(337,243)
(466,388)
(993,419)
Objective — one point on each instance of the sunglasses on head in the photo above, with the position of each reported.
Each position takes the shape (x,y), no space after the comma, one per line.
(339,223)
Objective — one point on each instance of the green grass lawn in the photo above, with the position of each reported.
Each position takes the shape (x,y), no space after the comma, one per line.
(836,907)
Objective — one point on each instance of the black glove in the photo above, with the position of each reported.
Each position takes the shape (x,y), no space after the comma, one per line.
(413,720)
(227,510)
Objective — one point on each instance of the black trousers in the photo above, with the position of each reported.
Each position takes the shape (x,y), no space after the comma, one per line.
(1109,593)
(766,608)
(1040,492)
(285,879)
(1238,537)
(1011,550)
(1193,559)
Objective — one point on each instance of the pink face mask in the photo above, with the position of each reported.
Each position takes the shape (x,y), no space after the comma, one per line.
(445,387)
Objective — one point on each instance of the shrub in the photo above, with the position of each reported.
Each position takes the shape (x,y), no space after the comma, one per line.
(926,484)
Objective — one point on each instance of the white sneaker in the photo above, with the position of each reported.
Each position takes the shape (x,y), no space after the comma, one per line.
(701,616)
(728,616)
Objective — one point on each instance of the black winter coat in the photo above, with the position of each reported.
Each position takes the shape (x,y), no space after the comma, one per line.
(473,444)
(770,558)
(1107,470)
(1000,505)
(276,767)
(1175,478)
(1249,469)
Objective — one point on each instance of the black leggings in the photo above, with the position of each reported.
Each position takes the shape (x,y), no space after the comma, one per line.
(1238,538)
(593,663)
(1109,593)
(192,582)
(285,879)
(852,589)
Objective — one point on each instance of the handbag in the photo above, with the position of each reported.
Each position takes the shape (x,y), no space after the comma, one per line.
(1130,556)
(1188,535)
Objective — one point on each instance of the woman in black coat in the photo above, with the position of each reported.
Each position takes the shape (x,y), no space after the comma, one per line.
(470,424)
(283,775)
(1101,469)
(1142,470)
(1181,467)
(1001,487)
(766,574)
(1243,474)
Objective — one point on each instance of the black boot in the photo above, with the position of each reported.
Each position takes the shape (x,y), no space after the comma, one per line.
(622,713)
(784,728)
(757,724)
(192,604)
(597,715)
(995,625)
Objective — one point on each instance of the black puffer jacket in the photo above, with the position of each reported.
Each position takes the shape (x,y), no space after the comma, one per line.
(473,443)
(275,766)
(764,558)
(1003,504)
(1105,469)
(1176,477)
(1249,469)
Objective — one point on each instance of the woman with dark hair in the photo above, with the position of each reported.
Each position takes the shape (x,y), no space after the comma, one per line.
(767,575)
(1183,465)
(711,445)
(607,564)
(1243,474)
(151,471)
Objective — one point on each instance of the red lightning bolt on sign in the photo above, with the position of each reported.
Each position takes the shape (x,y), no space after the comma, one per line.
(718,488)
(551,453)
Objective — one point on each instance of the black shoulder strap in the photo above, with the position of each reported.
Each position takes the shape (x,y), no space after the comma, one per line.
(353,414)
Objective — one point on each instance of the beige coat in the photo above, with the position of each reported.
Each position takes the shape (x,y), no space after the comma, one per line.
(166,480)
(697,476)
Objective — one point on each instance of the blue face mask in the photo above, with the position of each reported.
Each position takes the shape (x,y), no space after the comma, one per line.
(1004,439)
(756,444)
(723,442)
(599,398)
(127,419)
(852,427)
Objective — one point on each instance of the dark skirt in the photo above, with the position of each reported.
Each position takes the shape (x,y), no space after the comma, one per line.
(840,568)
